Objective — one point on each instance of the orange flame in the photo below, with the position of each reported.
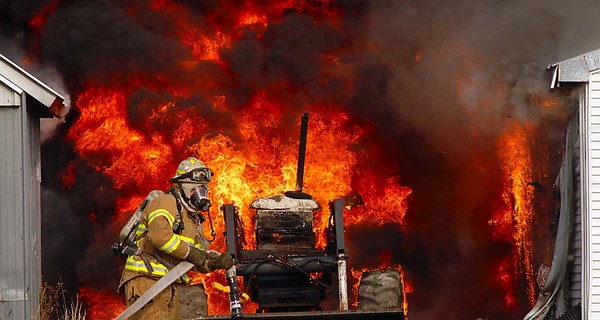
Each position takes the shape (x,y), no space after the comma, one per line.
(102,131)
(546,103)
(418,56)
(101,304)
(38,21)
(513,223)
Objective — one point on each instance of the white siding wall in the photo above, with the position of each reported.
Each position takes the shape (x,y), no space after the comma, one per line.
(591,199)
(576,264)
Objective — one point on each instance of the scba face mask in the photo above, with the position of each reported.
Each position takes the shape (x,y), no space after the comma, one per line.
(199,198)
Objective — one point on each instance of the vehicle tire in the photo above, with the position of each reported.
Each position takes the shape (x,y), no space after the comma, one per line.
(380,290)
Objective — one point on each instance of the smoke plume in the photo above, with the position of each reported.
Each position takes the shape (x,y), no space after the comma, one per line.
(439,82)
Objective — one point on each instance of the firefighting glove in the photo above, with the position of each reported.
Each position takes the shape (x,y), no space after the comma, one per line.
(197,257)
(223,261)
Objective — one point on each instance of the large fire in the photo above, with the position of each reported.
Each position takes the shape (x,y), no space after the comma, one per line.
(261,162)
(257,159)
(219,100)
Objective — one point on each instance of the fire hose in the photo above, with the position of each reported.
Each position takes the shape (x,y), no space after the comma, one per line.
(159,286)
(176,272)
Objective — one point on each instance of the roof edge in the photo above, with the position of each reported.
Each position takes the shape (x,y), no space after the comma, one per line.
(576,69)
(22,79)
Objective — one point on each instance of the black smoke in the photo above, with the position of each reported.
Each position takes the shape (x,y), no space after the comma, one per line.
(440,82)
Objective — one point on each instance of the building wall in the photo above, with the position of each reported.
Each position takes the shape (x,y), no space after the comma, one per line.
(19,208)
(32,176)
(591,199)
(8,97)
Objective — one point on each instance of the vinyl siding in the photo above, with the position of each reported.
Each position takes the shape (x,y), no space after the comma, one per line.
(585,205)
(576,265)
(592,165)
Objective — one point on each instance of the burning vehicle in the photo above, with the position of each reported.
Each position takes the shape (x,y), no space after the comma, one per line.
(280,272)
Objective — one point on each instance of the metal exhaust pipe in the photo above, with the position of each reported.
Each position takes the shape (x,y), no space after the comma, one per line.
(302,153)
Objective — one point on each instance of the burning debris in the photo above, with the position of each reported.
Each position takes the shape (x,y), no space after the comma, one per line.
(153,80)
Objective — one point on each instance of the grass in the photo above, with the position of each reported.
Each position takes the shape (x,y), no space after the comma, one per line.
(53,304)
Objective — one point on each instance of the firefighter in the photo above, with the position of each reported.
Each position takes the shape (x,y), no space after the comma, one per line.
(170,231)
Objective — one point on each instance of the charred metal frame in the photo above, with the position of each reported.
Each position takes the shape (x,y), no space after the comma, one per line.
(268,268)
(230,214)
(340,244)
(280,268)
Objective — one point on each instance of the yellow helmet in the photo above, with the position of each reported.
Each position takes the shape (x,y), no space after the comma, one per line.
(192,170)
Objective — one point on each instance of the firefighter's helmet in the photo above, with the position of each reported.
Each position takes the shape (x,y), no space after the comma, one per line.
(192,170)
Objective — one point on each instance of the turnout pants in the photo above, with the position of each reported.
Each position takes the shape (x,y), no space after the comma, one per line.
(164,306)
